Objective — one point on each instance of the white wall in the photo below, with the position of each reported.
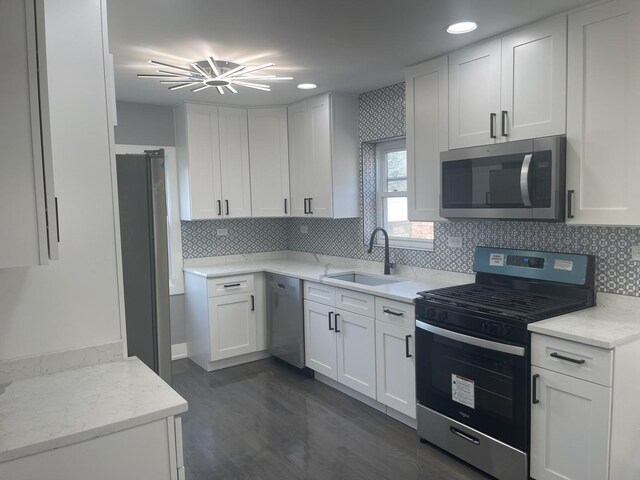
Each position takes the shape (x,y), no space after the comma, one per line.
(74,301)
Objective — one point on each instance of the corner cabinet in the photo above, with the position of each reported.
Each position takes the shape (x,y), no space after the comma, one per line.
(28,207)
(269,161)
(509,88)
(213,162)
(324,156)
(427,92)
(603,115)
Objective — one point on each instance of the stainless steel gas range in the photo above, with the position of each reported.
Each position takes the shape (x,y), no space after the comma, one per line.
(473,379)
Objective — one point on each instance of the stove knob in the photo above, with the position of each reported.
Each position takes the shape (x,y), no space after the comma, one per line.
(442,316)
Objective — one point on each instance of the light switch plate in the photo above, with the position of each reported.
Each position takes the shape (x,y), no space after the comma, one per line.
(222,232)
(454,242)
(635,253)
(304,229)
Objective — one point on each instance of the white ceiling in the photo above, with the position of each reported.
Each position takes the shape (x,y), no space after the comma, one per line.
(341,45)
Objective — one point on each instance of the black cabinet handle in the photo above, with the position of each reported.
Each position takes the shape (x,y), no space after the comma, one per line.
(568,359)
(406,346)
(391,312)
(330,315)
(57,221)
(570,195)
(305,205)
(534,389)
(219,207)
(253,303)
(226,204)
(337,316)
(310,209)
(504,123)
(285,206)
(229,285)
(492,125)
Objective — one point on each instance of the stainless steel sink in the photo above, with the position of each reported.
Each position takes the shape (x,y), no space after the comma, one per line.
(362,279)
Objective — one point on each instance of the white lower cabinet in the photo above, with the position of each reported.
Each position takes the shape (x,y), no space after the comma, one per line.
(569,428)
(356,345)
(152,451)
(232,323)
(396,367)
(319,339)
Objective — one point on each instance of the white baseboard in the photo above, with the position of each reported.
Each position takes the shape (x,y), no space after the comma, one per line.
(178,351)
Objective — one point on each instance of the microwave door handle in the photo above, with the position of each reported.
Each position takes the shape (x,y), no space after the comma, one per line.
(524,180)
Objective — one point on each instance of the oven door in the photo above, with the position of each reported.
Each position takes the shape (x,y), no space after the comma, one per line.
(478,382)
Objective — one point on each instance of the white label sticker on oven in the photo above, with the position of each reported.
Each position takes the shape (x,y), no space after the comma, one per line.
(463,391)
(496,260)
(566,265)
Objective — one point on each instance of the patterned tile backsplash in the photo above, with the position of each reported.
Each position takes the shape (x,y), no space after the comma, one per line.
(382,117)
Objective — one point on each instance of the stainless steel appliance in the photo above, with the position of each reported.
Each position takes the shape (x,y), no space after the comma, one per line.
(473,353)
(285,319)
(145,268)
(523,180)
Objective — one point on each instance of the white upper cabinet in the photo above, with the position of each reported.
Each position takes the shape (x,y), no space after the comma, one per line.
(427,135)
(603,115)
(213,162)
(28,208)
(474,95)
(510,88)
(323,156)
(534,79)
(269,160)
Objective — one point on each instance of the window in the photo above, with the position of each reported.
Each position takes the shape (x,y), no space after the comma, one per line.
(392,201)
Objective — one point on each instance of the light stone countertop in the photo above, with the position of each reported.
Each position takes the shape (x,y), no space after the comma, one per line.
(51,411)
(614,321)
(404,289)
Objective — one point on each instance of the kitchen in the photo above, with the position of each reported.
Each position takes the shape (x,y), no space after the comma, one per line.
(79,306)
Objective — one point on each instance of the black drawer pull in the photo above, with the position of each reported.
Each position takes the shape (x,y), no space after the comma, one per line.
(57,221)
(391,312)
(504,123)
(337,316)
(229,285)
(285,206)
(492,125)
(306,210)
(406,346)
(219,207)
(253,303)
(330,315)
(310,209)
(534,389)
(570,195)
(226,202)
(568,359)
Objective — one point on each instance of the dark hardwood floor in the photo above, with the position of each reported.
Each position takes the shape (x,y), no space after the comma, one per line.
(262,420)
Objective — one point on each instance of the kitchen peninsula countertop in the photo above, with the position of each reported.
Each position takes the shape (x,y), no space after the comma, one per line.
(52,411)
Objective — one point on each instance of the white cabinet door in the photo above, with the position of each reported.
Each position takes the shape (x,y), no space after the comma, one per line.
(427,90)
(356,352)
(320,338)
(198,162)
(234,161)
(474,95)
(396,367)
(534,81)
(603,114)
(232,325)
(321,180)
(269,161)
(569,428)
(299,120)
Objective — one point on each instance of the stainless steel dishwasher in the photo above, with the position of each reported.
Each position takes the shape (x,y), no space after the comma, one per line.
(285,319)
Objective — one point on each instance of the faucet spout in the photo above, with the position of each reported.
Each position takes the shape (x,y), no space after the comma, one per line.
(387,264)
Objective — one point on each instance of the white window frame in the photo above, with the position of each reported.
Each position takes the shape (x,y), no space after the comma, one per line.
(382,148)
(174,233)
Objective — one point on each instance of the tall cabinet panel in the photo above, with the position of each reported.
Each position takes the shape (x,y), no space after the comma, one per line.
(603,114)
(427,135)
(234,161)
(299,157)
(320,201)
(27,203)
(269,161)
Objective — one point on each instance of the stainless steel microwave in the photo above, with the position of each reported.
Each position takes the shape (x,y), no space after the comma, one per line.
(522,180)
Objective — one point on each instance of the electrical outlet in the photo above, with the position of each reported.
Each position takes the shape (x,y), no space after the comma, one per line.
(222,232)
(304,229)
(454,242)
(635,253)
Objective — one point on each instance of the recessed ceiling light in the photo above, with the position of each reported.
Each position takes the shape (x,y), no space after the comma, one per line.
(461,27)
(307,86)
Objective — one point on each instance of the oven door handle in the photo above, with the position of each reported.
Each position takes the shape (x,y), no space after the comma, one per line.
(475,341)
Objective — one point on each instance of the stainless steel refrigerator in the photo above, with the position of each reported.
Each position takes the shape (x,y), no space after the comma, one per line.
(145,264)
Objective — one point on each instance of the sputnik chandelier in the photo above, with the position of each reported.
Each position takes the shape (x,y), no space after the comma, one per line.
(212,73)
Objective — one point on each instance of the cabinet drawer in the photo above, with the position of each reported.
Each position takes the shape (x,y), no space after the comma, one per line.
(320,293)
(229,285)
(356,302)
(398,313)
(575,359)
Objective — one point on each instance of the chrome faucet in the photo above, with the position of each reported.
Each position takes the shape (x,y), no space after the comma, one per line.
(387,264)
